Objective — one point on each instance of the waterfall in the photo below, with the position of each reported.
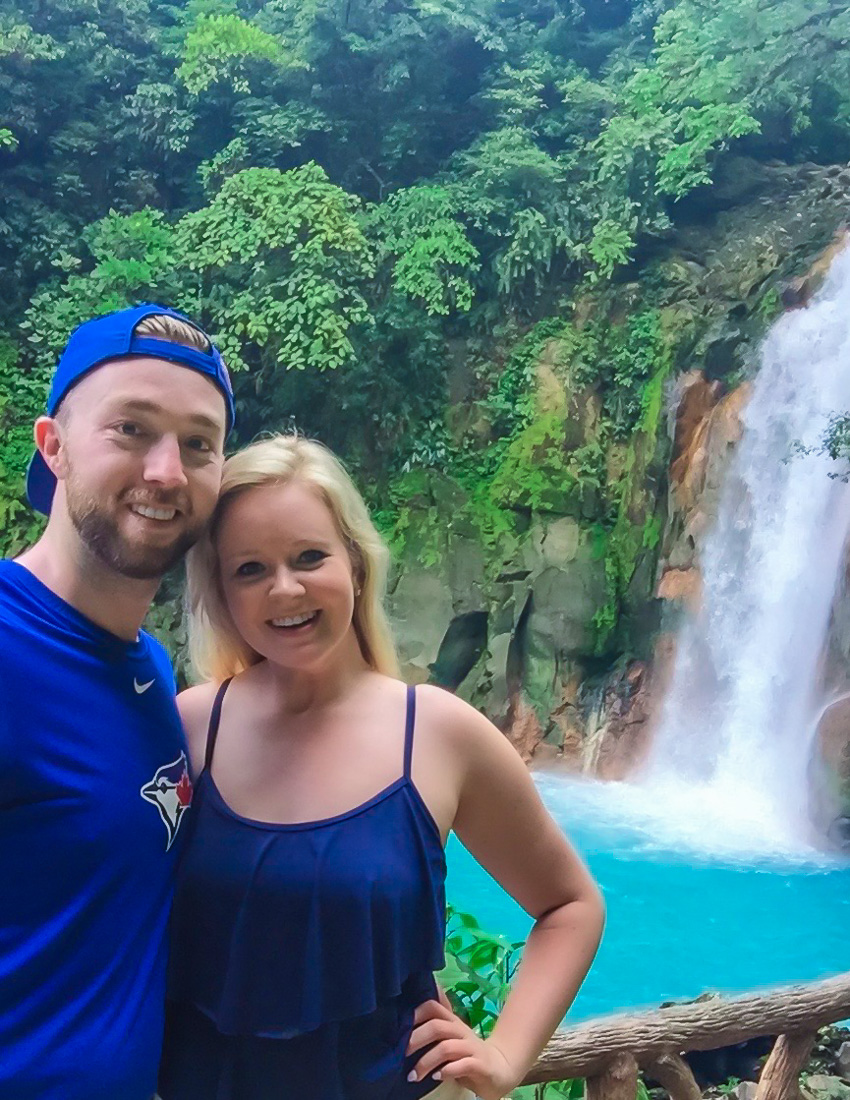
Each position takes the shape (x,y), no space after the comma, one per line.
(731,751)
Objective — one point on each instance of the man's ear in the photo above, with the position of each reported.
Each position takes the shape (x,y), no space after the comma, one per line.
(50,441)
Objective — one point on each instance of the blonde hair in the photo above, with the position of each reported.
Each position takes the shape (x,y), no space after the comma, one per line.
(216,648)
(161,326)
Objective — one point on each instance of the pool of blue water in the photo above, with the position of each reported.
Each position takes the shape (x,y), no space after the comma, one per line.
(681,921)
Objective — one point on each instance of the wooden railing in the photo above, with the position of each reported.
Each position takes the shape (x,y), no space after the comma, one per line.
(609,1052)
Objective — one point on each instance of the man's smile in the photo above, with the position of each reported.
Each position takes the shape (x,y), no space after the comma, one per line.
(149,512)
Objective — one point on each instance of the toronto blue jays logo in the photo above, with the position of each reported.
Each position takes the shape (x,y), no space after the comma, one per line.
(170,791)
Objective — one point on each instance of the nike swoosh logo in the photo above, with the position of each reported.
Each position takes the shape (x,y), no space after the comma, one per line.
(141,687)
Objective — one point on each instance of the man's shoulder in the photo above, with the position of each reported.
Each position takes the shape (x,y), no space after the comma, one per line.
(13,594)
(12,579)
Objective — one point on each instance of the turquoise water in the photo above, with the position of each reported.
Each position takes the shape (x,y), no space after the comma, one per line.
(680,920)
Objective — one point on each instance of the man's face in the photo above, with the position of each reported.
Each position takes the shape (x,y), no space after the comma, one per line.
(139,467)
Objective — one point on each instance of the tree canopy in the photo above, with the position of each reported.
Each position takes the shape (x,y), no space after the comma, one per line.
(358,185)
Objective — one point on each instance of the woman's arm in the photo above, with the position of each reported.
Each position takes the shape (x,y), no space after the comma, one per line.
(501,820)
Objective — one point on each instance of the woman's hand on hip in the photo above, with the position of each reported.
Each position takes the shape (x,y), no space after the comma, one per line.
(458,1054)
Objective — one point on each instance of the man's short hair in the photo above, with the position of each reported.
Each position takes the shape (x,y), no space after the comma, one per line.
(163,327)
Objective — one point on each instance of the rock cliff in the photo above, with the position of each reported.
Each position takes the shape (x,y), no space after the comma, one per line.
(560,626)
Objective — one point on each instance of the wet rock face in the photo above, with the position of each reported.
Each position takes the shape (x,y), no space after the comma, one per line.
(512,643)
(622,738)
(707,428)
(797,293)
(829,775)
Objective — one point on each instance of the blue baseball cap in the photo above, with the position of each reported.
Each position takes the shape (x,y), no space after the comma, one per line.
(99,341)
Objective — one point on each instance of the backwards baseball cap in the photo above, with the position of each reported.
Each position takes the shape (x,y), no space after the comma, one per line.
(96,342)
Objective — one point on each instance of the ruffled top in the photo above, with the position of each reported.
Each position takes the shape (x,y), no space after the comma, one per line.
(280,929)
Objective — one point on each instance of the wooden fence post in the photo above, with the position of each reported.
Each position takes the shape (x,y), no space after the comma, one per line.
(782,1068)
(673,1073)
(617,1081)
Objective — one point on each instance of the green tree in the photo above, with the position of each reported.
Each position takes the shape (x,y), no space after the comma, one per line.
(425,245)
(280,262)
(514,194)
(221,47)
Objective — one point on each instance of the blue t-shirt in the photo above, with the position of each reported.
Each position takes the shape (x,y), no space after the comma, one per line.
(93,788)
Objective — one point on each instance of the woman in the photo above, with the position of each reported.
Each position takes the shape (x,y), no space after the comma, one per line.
(309,916)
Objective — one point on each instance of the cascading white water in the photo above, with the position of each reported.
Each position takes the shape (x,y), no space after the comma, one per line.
(730,755)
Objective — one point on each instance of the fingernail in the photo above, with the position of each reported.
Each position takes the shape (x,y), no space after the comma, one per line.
(412,1075)
(437,1076)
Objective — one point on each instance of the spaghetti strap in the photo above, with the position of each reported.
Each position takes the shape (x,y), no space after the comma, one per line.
(215,719)
(409,722)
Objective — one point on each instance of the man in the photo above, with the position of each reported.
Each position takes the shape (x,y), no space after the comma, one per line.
(93,778)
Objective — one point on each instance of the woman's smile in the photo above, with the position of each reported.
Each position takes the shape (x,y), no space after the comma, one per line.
(295,623)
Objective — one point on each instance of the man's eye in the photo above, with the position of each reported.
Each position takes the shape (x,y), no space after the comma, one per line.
(129,428)
(249,569)
(199,445)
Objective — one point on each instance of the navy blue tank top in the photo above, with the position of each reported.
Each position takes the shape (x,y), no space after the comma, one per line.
(300,951)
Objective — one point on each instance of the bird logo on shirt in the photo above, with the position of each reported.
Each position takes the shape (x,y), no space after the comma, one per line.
(170,791)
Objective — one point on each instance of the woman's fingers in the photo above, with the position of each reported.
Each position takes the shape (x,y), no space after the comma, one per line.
(432,1010)
(466,1071)
(432,1031)
(445,1051)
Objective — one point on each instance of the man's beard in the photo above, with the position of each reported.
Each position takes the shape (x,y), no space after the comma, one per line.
(101,535)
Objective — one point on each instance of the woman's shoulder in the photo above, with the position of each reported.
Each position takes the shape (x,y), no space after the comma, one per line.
(196,701)
(453,721)
(195,706)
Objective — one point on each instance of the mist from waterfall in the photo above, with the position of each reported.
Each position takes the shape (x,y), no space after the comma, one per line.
(731,751)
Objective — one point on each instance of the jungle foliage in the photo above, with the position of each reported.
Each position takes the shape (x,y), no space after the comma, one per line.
(351,195)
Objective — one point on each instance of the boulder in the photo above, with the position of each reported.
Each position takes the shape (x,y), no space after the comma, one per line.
(819,1086)
(842,1060)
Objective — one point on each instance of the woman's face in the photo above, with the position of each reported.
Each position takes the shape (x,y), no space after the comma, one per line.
(286,574)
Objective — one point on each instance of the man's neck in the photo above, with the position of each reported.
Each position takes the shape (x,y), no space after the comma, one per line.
(112,601)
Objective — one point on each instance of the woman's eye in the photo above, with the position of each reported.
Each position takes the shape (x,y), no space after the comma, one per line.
(311,557)
(249,569)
